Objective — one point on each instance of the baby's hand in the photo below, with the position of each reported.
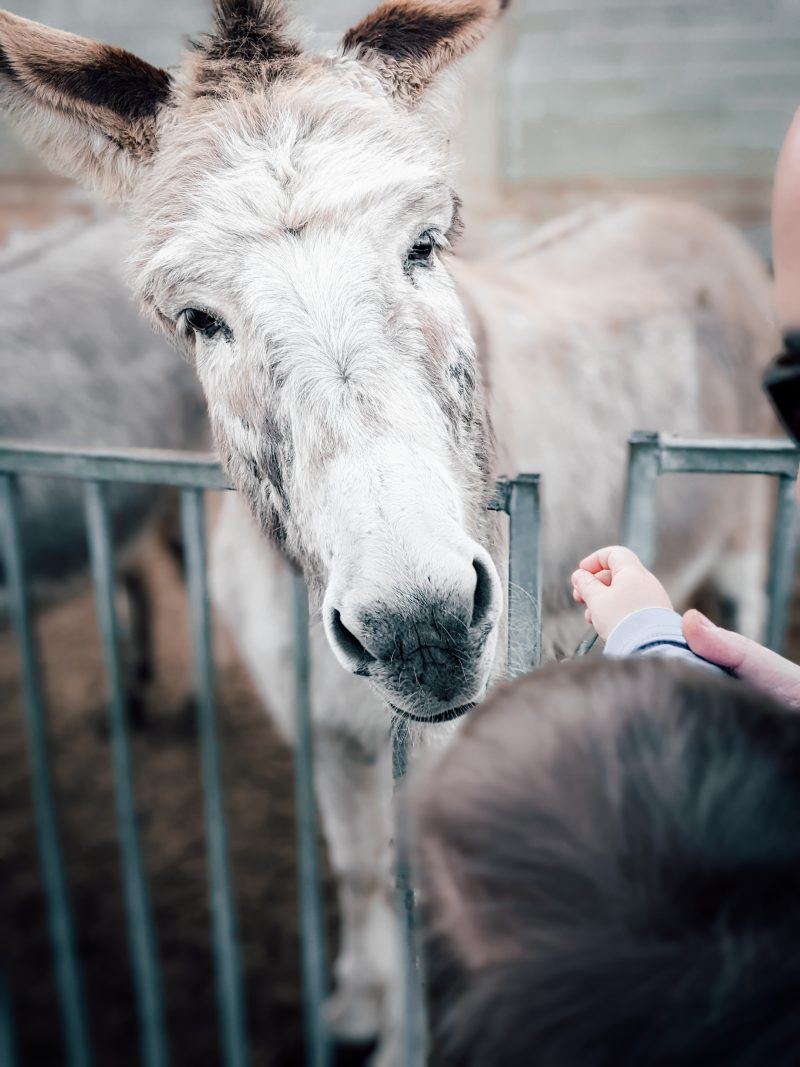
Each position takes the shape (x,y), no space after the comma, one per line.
(612,583)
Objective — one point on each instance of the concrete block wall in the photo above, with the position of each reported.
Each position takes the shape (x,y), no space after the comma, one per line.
(642,89)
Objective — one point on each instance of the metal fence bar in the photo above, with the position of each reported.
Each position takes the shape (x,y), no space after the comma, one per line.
(780,583)
(69,983)
(8,1044)
(141,933)
(639,515)
(413,1050)
(227,963)
(312,925)
(143,466)
(725,455)
(524,575)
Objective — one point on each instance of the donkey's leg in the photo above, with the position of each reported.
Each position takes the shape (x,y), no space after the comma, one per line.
(353,778)
(252,587)
(353,781)
(138,650)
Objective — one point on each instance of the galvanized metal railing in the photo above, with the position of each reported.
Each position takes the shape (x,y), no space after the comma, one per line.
(651,456)
(192,475)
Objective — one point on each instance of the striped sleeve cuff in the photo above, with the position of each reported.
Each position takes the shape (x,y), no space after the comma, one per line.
(643,630)
(654,632)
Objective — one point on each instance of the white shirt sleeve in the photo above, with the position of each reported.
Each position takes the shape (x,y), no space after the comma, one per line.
(653,632)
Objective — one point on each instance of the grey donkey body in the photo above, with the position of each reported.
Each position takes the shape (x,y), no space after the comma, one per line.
(292,218)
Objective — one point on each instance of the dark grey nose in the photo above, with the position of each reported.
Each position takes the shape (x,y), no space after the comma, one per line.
(426,648)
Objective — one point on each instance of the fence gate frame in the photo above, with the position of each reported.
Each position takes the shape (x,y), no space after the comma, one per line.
(651,455)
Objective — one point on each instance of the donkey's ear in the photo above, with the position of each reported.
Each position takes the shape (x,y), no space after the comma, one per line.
(90,109)
(410,41)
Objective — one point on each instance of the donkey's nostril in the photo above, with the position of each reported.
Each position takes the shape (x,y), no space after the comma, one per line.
(349,645)
(483,600)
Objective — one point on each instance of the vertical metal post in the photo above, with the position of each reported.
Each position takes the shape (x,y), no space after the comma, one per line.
(413,1023)
(141,932)
(312,924)
(69,983)
(524,575)
(780,583)
(639,516)
(8,1045)
(227,962)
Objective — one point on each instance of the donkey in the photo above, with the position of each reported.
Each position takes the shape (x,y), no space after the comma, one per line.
(293,218)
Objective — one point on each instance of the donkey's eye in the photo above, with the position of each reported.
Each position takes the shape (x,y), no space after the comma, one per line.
(422,249)
(202,322)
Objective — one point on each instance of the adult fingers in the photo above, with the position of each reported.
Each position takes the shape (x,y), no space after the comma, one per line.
(723,647)
(749,660)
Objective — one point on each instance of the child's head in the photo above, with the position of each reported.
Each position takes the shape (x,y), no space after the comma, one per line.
(610,864)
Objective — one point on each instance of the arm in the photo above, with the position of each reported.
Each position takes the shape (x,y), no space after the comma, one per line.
(747,659)
(631,611)
(630,608)
(786,228)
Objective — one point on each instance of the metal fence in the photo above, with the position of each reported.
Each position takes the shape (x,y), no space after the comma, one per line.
(652,455)
(192,475)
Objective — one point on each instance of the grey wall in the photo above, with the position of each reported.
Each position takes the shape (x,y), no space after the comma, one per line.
(617,89)
(648,88)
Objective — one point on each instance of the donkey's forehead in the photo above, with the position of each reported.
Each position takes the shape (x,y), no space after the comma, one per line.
(315,148)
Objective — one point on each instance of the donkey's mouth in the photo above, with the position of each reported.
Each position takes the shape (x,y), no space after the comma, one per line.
(443,716)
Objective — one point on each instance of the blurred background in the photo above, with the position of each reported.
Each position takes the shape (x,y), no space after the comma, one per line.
(570,100)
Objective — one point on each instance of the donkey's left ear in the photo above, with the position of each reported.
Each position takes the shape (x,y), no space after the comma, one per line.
(90,109)
(410,41)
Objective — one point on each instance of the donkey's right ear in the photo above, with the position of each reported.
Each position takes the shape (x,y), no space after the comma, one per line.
(90,109)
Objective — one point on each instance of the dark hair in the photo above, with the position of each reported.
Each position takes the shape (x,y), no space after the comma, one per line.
(609,858)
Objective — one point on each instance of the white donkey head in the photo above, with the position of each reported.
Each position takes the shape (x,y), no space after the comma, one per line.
(292,215)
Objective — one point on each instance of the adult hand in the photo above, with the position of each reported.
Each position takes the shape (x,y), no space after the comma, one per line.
(613,583)
(747,659)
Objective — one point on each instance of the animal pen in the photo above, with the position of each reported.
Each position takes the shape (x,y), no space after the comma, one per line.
(651,455)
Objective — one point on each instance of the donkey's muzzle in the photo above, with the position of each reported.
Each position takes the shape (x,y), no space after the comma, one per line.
(431,649)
